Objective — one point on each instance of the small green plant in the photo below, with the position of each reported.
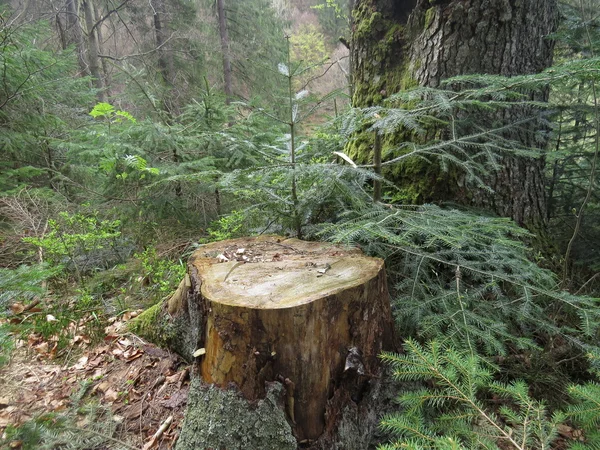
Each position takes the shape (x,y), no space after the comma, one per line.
(20,285)
(110,113)
(585,411)
(24,283)
(163,275)
(233,225)
(81,427)
(73,237)
(298,183)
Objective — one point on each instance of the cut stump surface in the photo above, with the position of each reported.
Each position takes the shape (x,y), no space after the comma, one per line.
(311,315)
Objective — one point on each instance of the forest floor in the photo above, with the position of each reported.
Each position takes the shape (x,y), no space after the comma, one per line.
(143,386)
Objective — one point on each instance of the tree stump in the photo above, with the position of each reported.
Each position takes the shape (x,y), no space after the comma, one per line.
(310,315)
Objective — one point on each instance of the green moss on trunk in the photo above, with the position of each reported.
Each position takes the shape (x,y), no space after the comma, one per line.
(153,325)
(379,68)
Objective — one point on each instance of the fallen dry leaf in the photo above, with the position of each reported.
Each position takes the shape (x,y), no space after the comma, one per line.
(135,410)
(32,339)
(42,348)
(53,351)
(131,354)
(178,399)
(173,378)
(17,308)
(125,342)
(81,363)
(111,395)
(103,387)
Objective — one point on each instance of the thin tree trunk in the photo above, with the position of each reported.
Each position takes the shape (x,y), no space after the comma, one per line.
(73,33)
(167,70)
(223,32)
(165,63)
(104,62)
(397,45)
(227,74)
(61,32)
(377,167)
(92,45)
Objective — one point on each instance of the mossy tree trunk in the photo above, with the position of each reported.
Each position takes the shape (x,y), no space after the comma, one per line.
(397,45)
(311,316)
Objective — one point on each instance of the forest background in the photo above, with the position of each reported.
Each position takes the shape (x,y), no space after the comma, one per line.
(133,132)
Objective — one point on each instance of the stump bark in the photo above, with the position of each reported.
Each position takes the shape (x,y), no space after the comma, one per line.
(311,315)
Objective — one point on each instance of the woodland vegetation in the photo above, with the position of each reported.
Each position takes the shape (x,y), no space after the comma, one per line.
(134,132)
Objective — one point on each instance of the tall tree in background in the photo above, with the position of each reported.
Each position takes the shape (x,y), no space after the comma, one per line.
(73,34)
(165,57)
(224,35)
(93,49)
(252,44)
(398,45)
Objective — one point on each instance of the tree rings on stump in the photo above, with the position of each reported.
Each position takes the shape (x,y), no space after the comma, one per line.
(311,315)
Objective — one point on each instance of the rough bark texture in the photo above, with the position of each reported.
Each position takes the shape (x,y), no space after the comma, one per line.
(423,42)
(503,37)
(222,418)
(310,316)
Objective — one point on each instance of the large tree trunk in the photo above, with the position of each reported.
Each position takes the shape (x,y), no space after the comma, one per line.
(310,316)
(397,45)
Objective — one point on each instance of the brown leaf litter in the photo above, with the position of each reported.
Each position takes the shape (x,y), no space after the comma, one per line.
(143,385)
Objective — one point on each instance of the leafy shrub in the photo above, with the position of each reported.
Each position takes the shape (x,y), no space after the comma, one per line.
(73,239)
(163,275)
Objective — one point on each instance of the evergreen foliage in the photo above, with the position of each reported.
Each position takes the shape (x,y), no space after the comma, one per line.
(465,277)
(587,411)
(40,101)
(24,283)
(452,414)
(63,430)
(490,334)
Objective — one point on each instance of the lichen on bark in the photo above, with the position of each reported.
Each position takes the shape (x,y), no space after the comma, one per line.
(222,418)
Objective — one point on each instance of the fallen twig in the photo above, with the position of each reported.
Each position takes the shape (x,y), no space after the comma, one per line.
(158,433)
